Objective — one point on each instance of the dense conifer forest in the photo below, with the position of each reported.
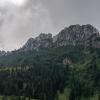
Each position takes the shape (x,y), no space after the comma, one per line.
(44,75)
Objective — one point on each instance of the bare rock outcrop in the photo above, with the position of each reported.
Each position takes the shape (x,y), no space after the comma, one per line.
(74,35)
(42,41)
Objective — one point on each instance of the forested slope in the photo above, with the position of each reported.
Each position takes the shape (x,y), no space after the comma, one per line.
(41,75)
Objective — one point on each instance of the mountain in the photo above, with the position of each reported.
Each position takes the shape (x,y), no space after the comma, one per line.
(73,35)
(3,53)
(77,35)
(42,41)
(61,67)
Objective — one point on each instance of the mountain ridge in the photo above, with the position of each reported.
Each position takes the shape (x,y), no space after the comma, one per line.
(45,66)
(73,35)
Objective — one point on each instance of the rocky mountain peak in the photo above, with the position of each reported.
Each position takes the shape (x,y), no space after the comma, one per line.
(44,36)
(76,35)
(42,41)
(72,35)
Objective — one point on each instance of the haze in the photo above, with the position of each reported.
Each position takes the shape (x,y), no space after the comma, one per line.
(22,19)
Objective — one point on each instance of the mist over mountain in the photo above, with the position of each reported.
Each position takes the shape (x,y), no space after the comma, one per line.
(22,19)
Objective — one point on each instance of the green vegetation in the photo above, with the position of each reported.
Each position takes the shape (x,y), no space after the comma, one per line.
(14,98)
(64,73)
(65,96)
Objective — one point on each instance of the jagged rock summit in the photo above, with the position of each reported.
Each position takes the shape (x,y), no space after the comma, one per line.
(76,35)
(42,41)
(73,35)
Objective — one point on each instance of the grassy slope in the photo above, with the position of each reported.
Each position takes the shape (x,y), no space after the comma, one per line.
(13,98)
(65,96)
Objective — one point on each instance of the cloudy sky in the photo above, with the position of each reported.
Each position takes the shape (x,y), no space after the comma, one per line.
(22,19)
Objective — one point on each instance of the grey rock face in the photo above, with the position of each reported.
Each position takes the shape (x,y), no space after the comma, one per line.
(76,35)
(73,35)
(2,53)
(42,41)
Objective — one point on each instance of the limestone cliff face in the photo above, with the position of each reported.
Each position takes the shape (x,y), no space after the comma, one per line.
(73,35)
(42,41)
(76,35)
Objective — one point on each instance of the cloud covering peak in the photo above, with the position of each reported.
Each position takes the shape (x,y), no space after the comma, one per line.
(15,2)
(22,19)
(17,24)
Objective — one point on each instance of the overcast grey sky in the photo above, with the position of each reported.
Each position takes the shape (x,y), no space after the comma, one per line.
(22,19)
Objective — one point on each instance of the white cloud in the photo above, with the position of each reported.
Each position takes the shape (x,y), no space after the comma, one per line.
(15,2)
(21,23)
